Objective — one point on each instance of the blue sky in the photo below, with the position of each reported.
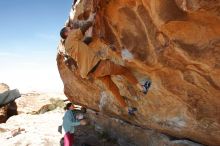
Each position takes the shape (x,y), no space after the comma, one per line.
(28,43)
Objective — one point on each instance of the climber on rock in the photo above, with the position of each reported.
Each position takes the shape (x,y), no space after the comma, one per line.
(92,60)
(70,63)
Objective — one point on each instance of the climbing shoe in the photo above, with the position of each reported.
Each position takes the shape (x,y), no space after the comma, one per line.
(146,86)
(132,110)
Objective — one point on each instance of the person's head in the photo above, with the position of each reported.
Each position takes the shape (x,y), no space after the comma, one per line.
(74,2)
(69,106)
(64,32)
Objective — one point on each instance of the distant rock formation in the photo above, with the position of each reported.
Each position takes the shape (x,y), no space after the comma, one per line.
(3,87)
(175,44)
(39,103)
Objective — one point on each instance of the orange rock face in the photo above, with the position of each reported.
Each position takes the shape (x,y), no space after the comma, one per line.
(175,44)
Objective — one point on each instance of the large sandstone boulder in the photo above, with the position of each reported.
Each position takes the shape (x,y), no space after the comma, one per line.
(175,44)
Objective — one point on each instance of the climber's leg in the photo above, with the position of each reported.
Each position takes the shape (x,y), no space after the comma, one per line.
(113,88)
(107,67)
(68,139)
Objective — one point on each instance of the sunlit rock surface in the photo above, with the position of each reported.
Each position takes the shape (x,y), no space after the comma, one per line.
(175,44)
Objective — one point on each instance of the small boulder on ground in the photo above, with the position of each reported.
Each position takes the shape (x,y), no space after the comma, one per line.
(7,105)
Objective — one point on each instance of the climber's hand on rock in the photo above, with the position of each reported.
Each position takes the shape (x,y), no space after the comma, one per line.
(83,122)
(112,47)
(83,110)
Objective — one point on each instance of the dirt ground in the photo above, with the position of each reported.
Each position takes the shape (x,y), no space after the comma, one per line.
(87,136)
